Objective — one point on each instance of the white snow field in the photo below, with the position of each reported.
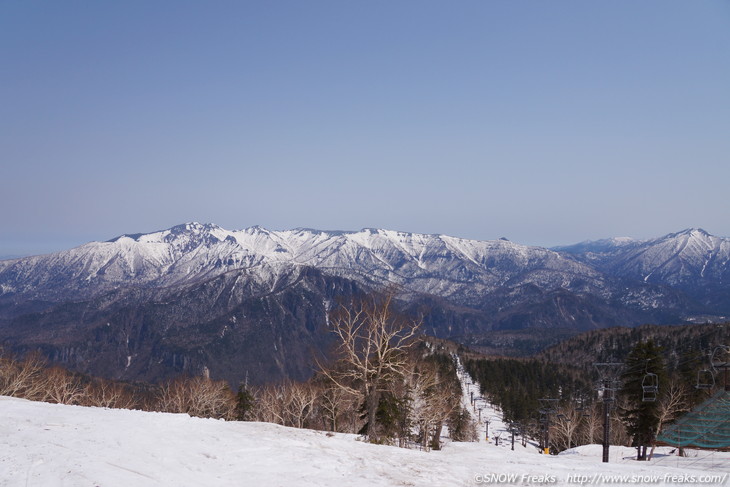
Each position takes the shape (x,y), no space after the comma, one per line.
(55,445)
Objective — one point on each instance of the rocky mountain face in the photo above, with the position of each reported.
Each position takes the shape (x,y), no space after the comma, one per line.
(254,302)
(235,325)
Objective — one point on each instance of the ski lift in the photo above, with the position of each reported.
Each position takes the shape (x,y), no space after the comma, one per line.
(716,358)
(548,405)
(650,387)
(583,411)
(705,379)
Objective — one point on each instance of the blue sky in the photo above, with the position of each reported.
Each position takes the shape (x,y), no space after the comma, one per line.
(544,122)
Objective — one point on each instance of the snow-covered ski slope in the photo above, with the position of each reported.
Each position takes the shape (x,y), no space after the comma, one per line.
(489,419)
(55,445)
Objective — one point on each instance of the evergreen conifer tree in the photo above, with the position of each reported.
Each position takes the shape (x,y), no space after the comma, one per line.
(245,403)
(644,366)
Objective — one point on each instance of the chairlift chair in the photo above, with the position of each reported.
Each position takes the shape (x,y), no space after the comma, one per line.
(650,387)
(705,379)
(719,357)
(583,411)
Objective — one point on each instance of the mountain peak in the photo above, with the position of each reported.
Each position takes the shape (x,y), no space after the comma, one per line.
(697,231)
(194,227)
(255,229)
(605,245)
(314,231)
(694,232)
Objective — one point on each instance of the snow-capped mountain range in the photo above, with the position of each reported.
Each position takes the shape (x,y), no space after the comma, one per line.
(195,285)
(434,264)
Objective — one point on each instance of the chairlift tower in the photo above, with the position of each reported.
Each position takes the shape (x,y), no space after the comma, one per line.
(548,407)
(513,428)
(607,388)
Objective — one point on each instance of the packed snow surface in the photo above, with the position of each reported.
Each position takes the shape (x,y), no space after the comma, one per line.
(56,445)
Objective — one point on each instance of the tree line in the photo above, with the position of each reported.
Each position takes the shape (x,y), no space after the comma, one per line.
(516,385)
(647,390)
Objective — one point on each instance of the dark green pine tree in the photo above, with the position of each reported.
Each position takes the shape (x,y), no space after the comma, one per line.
(245,402)
(644,368)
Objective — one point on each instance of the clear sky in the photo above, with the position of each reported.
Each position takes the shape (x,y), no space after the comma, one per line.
(544,122)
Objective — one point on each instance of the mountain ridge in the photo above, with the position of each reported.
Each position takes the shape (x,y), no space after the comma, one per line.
(390,255)
(196,295)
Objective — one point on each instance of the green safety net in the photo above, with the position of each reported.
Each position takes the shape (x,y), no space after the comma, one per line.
(707,426)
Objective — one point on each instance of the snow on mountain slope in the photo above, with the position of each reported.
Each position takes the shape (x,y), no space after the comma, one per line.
(515,286)
(690,257)
(185,253)
(434,264)
(56,445)
(597,246)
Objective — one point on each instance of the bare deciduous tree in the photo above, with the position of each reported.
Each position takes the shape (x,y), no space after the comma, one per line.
(288,403)
(23,379)
(335,402)
(372,345)
(270,404)
(432,404)
(671,403)
(108,394)
(62,387)
(565,426)
(299,403)
(593,425)
(197,396)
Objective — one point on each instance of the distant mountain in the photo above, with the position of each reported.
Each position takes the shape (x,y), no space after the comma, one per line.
(9,257)
(147,306)
(597,246)
(692,261)
(463,270)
